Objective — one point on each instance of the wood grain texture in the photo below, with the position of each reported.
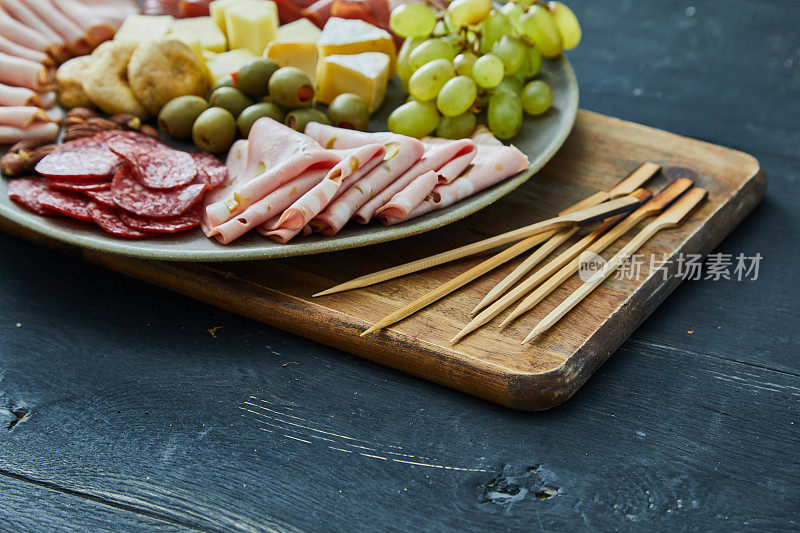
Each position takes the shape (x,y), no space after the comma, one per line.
(599,153)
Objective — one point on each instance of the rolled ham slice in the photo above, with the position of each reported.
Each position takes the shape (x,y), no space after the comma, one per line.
(24,73)
(449,157)
(410,197)
(22,116)
(18,96)
(483,135)
(401,153)
(73,35)
(24,14)
(113,11)
(7,46)
(46,100)
(24,35)
(275,155)
(96,29)
(492,164)
(353,166)
(235,163)
(267,207)
(40,132)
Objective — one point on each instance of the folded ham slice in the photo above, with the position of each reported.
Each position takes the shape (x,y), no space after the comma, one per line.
(24,14)
(401,153)
(410,197)
(96,29)
(17,96)
(47,131)
(23,116)
(24,73)
(113,11)
(275,155)
(63,26)
(7,46)
(448,157)
(24,35)
(493,163)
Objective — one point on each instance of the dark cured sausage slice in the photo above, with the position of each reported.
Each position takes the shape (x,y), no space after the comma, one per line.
(109,220)
(82,158)
(157,167)
(132,196)
(27,192)
(72,204)
(188,220)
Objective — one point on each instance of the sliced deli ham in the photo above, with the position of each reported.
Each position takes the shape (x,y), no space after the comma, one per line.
(22,116)
(39,132)
(21,72)
(14,96)
(7,46)
(24,35)
(72,34)
(410,197)
(95,28)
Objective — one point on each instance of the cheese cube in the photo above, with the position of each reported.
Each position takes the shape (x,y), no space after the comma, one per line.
(221,65)
(217,10)
(353,36)
(296,45)
(251,24)
(200,29)
(364,74)
(140,28)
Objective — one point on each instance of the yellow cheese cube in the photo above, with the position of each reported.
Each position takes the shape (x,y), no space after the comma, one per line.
(346,36)
(364,74)
(296,45)
(217,10)
(251,24)
(221,65)
(140,28)
(200,29)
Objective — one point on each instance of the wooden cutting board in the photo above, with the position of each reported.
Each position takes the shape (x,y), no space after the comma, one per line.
(599,152)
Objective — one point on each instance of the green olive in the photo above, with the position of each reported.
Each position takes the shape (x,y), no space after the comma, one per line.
(256,111)
(298,118)
(230,98)
(177,117)
(225,81)
(253,78)
(349,110)
(291,88)
(214,130)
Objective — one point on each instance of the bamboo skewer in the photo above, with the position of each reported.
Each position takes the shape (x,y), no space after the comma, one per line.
(635,180)
(529,233)
(651,208)
(584,216)
(671,218)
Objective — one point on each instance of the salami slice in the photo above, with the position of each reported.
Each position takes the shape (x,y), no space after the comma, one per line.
(134,197)
(210,169)
(141,138)
(157,167)
(72,204)
(190,219)
(109,220)
(79,185)
(28,192)
(104,197)
(80,159)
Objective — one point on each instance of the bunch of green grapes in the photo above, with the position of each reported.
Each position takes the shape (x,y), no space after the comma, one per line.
(472,57)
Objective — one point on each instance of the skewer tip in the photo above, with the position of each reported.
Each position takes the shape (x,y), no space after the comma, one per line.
(327,291)
(371,329)
(538,330)
(460,335)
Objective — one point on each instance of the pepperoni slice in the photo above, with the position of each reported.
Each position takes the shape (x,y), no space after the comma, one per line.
(134,197)
(104,197)
(87,158)
(157,167)
(72,204)
(79,185)
(190,219)
(109,220)
(210,169)
(28,193)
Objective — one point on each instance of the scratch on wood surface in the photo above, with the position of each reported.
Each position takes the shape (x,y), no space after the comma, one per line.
(272,415)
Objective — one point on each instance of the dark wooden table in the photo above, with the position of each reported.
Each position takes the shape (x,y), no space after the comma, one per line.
(119,410)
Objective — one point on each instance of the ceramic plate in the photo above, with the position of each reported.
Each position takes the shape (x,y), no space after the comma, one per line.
(540,138)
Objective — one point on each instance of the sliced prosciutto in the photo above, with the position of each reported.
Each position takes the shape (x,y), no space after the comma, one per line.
(401,153)
(276,154)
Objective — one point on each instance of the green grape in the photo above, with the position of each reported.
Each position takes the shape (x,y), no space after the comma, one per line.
(414,19)
(488,71)
(532,64)
(510,83)
(429,79)
(438,48)
(513,12)
(456,96)
(463,63)
(403,62)
(494,27)
(468,12)
(505,114)
(511,52)
(414,118)
(536,97)
(567,24)
(539,27)
(459,127)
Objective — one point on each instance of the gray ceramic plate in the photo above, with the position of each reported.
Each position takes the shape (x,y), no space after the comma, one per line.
(540,138)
